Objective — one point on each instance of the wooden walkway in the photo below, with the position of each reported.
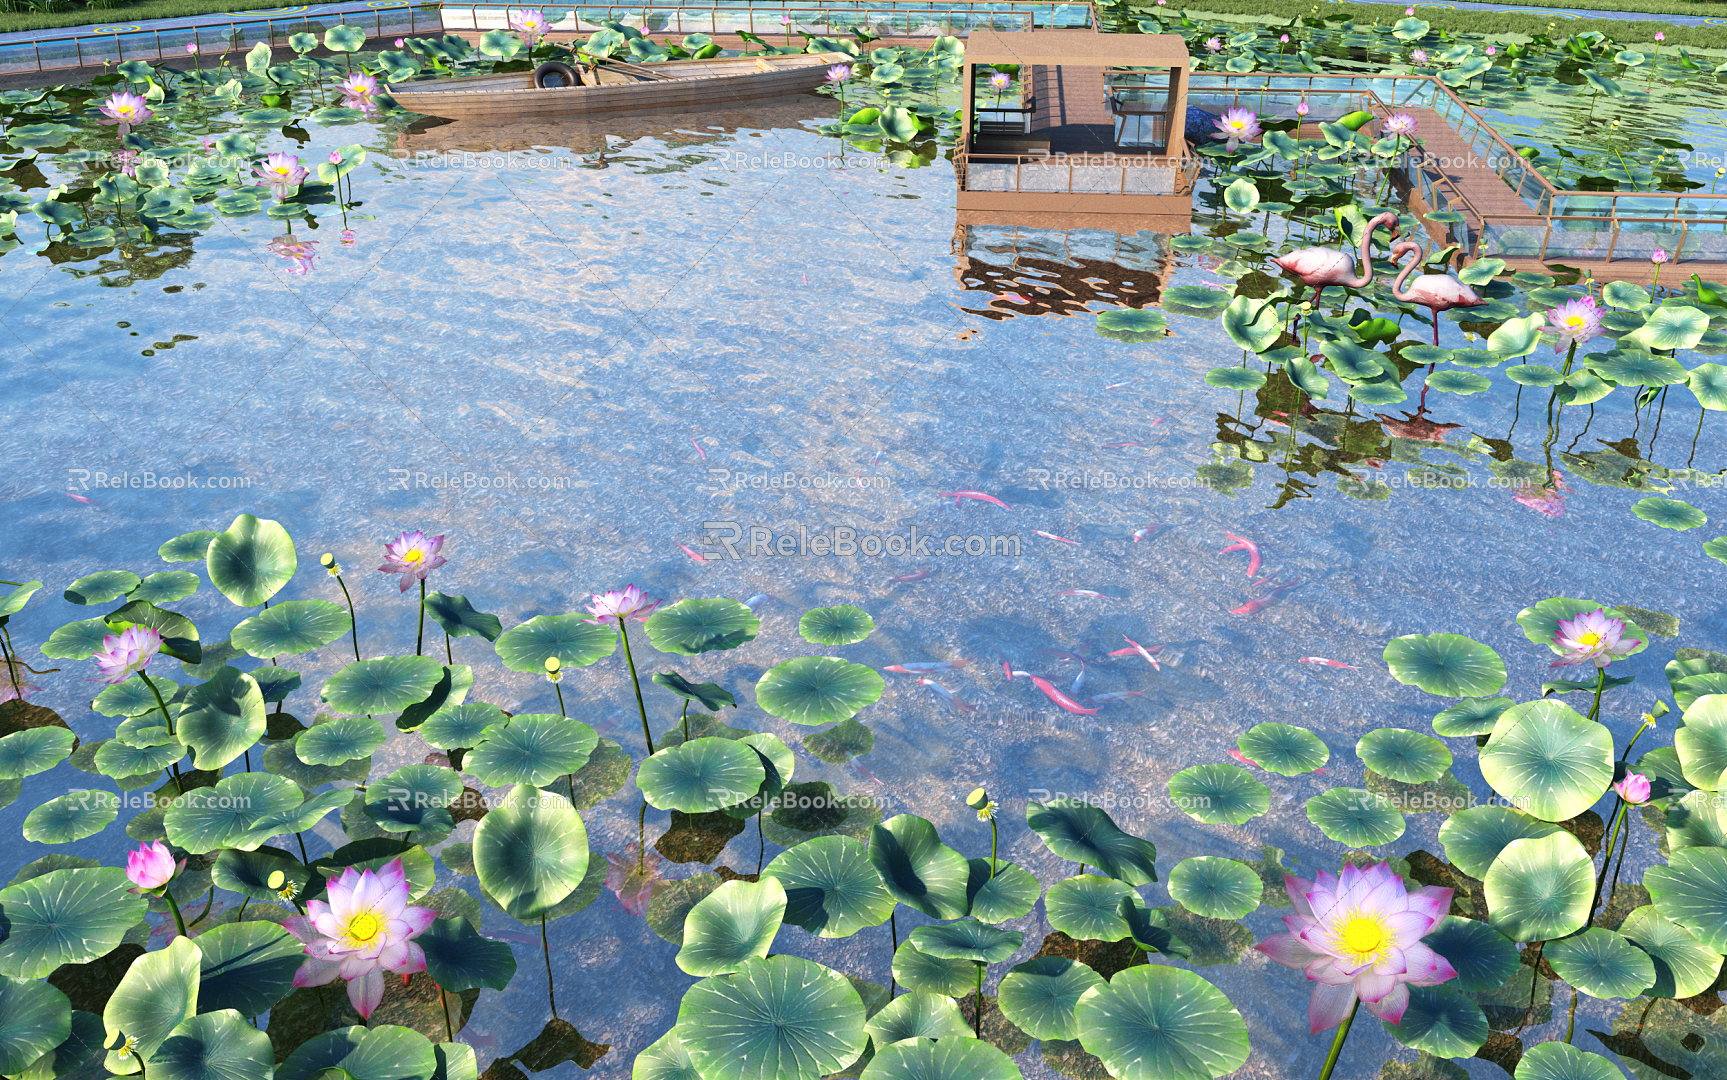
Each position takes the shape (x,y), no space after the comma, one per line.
(1072,111)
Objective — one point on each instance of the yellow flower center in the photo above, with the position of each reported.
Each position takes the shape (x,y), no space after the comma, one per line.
(1363,935)
(1590,639)
(363,927)
(412,557)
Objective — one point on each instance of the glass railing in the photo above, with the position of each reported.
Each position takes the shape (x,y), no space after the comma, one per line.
(766,19)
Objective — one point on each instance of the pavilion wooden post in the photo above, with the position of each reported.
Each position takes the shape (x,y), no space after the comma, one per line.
(1176,144)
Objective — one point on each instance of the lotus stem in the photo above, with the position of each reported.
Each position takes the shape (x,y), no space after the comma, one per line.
(1624,843)
(1613,821)
(160,704)
(560,691)
(449,655)
(353,619)
(893,928)
(1534,981)
(420,641)
(551,992)
(305,859)
(208,903)
(642,836)
(977,1025)
(993,834)
(248,756)
(444,1007)
(686,719)
(1337,1043)
(244,900)
(762,846)
(179,923)
(1571,1020)
(11,669)
(1600,685)
(641,707)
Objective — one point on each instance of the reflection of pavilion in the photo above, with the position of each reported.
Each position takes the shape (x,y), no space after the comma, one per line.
(1057,272)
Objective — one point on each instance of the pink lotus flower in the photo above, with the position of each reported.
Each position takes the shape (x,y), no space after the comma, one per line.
(1359,936)
(298,252)
(1659,36)
(413,556)
(1575,321)
(192,47)
(1301,109)
(1419,56)
(1409,11)
(284,174)
(152,866)
(347,237)
(1658,256)
(127,110)
(532,24)
(1491,50)
(364,929)
(620,604)
(125,655)
(1398,124)
(358,85)
(1634,789)
(1236,126)
(400,42)
(633,877)
(839,73)
(999,82)
(1213,44)
(1284,39)
(126,161)
(1592,637)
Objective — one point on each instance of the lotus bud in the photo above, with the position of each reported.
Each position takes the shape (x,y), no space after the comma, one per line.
(1634,789)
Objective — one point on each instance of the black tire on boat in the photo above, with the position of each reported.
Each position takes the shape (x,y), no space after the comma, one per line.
(564,74)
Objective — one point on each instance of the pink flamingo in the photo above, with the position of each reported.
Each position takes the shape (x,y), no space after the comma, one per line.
(1435,292)
(1320,268)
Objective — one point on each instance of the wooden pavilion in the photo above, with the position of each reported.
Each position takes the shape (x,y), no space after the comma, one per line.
(1095,129)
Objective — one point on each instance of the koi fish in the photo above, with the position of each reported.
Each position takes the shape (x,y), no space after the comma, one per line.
(1017,298)
(699,449)
(1119,385)
(948,696)
(1148,532)
(758,598)
(1055,695)
(1118,695)
(1006,668)
(1254,607)
(1243,758)
(877,460)
(1141,650)
(979,495)
(696,555)
(1078,681)
(904,579)
(1119,445)
(82,499)
(859,767)
(929,667)
(1327,663)
(1244,544)
(1079,592)
(1063,655)
(1052,536)
(1263,580)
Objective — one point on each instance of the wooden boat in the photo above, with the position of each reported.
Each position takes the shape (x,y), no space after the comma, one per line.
(622,87)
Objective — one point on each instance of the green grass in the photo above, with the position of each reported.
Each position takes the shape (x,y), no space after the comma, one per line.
(1505,23)
(130,13)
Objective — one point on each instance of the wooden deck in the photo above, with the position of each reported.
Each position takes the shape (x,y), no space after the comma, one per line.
(1072,112)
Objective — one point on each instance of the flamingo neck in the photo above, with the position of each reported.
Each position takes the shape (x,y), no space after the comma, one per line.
(1397,287)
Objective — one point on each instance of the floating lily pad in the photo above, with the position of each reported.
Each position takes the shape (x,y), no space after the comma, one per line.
(73,816)
(1540,888)
(842,625)
(967,939)
(530,852)
(1356,817)
(1534,375)
(1087,907)
(1440,1021)
(818,690)
(1473,838)
(1219,794)
(294,627)
(701,775)
(1284,749)
(1459,382)
(1684,966)
(34,750)
(1481,955)
(1196,300)
(1449,665)
(1554,762)
(918,970)
(732,925)
(251,561)
(387,684)
(782,1017)
(1403,755)
(101,587)
(1378,393)
(1157,1022)
(1039,995)
(1083,833)
(534,748)
(1215,887)
(1691,892)
(1670,513)
(1235,378)
(831,888)
(333,740)
(1471,716)
(690,627)
(65,917)
(1602,964)
(573,640)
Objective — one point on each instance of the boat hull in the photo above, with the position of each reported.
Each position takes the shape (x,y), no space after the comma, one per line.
(700,83)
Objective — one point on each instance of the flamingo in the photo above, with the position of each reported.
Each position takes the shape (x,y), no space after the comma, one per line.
(1320,268)
(1435,292)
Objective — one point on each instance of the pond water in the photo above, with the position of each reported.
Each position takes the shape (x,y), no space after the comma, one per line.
(571,349)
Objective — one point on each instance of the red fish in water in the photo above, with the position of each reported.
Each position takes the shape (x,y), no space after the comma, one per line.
(1243,758)
(904,579)
(82,499)
(1142,651)
(928,667)
(948,696)
(1119,385)
(1079,592)
(1118,695)
(1254,607)
(1052,536)
(699,449)
(1055,695)
(859,767)
(1244,544)
(696,555)
(1006,668)
(1148,532)
(1327,663)
(979,495)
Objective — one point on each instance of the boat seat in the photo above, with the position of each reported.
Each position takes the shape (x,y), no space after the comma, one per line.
(1018,145)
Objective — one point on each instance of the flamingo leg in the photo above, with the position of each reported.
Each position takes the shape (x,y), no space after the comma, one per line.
(1436,326)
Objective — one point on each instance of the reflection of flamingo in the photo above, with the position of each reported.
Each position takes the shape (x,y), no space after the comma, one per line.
(1321,268)
(1435,292)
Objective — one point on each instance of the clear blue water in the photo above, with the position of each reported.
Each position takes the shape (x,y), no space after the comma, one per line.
(558,326)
